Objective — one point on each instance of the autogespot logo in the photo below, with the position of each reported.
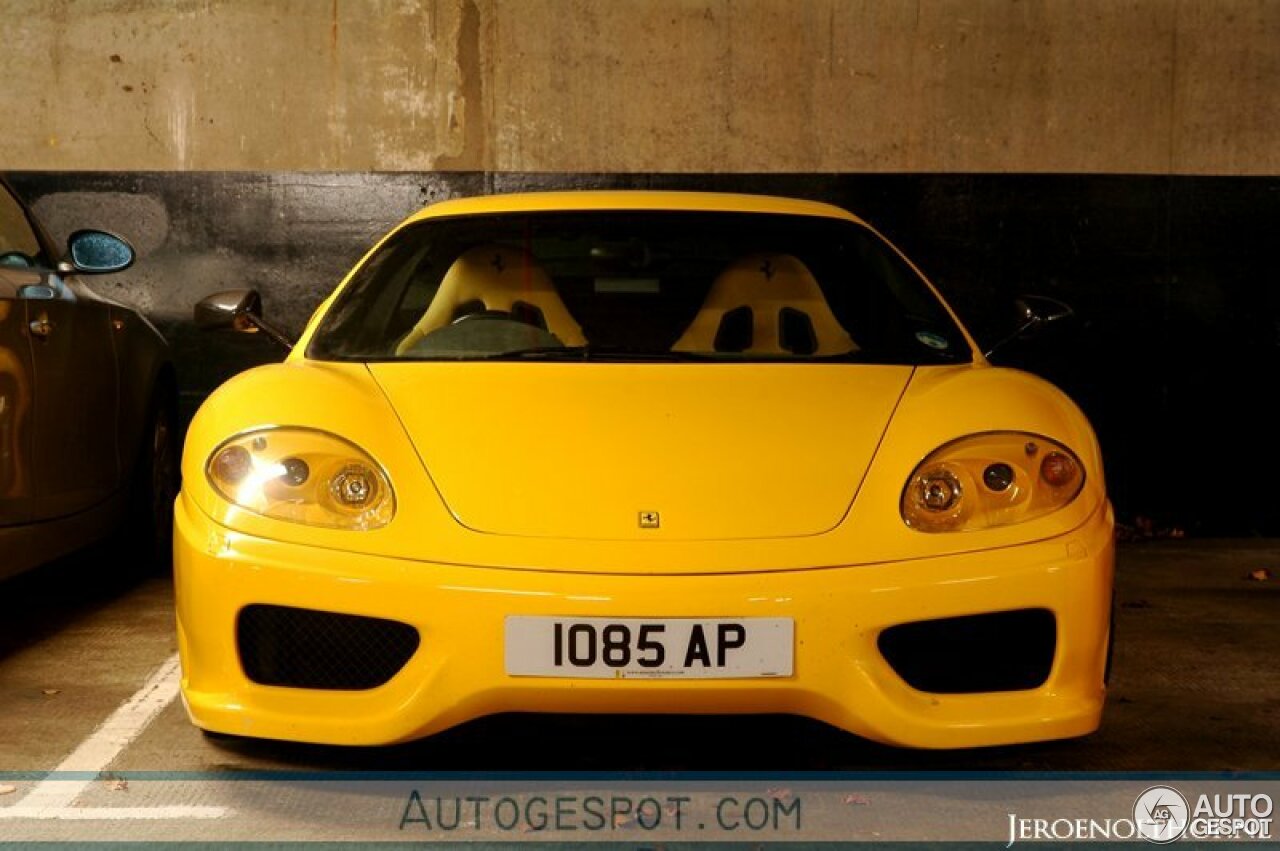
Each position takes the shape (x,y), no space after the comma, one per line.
(1161,814)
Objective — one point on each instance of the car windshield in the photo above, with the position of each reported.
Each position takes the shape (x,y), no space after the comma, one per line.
(638,285)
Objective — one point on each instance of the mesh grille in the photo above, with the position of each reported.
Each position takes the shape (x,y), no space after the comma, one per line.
(304,648)
(1004,651)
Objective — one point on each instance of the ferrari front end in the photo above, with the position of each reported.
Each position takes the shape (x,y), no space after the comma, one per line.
(641,453)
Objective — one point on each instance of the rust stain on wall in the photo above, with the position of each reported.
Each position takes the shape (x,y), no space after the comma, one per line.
(466,110)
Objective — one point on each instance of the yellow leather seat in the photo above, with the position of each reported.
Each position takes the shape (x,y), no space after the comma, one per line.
(499,278)
(766,304)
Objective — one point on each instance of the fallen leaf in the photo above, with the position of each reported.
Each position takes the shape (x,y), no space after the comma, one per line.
(7,789)
(623,821)
(860,800)
(119,786)
(52,691)
(1262,574)
(778,793)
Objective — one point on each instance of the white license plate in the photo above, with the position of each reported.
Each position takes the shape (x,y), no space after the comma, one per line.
(613,648)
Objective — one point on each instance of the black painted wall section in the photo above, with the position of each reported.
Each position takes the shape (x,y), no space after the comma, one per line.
(1174,358)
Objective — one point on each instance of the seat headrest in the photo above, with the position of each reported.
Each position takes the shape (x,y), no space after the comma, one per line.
(766,304)
(500,278)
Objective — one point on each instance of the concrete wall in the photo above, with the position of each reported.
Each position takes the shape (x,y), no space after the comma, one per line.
(1123,155)
(1078,86)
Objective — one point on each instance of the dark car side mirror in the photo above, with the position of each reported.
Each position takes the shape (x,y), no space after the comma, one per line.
(237,310)
(96,252)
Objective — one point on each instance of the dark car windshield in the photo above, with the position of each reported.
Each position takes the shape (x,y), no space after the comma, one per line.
(638,285)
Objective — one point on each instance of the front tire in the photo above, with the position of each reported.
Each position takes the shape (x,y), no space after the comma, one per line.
(154,487)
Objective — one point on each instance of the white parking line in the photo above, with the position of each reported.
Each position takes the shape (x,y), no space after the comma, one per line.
(112,813)
(52,798)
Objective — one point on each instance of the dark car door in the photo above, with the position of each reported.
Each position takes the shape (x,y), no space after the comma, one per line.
(75,405)
(15,403)
(18,248)
(73,384)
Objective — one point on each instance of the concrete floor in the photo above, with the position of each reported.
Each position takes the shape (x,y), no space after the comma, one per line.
(1195,687)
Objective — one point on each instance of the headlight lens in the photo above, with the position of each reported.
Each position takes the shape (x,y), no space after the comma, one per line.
(992,479)
(303,476)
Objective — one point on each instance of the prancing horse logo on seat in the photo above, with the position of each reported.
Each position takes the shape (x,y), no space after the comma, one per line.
(649,520)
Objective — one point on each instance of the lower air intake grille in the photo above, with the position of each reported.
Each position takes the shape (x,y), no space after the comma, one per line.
(1004,651)
(304,648)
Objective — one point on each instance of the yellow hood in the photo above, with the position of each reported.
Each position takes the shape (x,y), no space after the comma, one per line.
(716,451)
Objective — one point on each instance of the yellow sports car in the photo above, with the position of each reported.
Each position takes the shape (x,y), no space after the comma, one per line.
(639,452)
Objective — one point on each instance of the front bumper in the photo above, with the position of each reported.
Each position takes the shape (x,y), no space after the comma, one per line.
(457,671)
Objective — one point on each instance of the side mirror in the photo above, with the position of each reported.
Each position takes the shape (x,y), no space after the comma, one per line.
(238,310)
(1036,310)
(230,309)
(96,252)
(1033,312)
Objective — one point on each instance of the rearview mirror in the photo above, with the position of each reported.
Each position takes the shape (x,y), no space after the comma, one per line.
(238,310)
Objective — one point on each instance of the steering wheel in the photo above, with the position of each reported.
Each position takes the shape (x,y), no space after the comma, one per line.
(532,317)
(484,315)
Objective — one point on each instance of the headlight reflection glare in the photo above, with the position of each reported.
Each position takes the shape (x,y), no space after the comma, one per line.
(303,476)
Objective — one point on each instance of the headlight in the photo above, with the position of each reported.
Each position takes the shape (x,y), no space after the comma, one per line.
(304,476)
(991,479)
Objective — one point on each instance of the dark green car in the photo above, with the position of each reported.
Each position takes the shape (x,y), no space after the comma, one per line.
(87,402)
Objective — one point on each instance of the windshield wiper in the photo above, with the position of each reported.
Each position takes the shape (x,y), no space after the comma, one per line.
(586,353)
(615,354)
(536,352)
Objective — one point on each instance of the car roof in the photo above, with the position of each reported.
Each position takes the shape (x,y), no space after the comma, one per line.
(719,202)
